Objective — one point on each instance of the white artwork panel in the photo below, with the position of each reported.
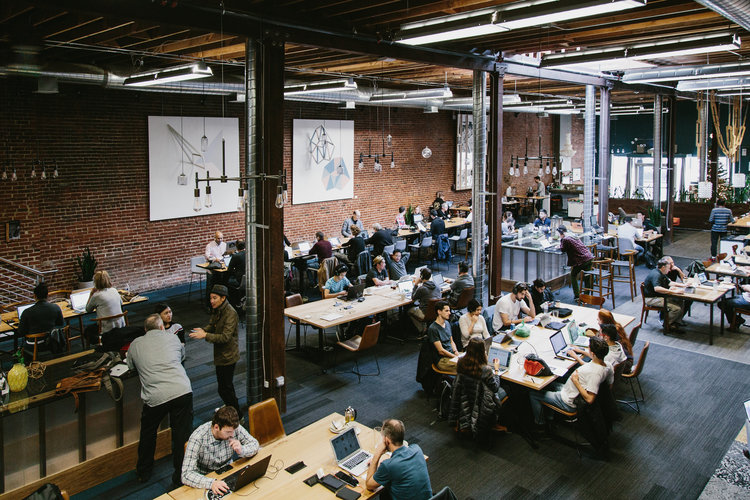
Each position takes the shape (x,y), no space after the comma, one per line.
(322,160)
(175,155)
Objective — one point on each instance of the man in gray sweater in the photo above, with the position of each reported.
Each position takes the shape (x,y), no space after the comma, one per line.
(397,265)
(165,389)
(463,281)
(424,290)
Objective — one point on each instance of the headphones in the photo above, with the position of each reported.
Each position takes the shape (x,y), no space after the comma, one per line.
(341,268)
(519,287)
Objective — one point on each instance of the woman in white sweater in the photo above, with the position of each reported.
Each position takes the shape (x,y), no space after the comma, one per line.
(106,300)
(472,323)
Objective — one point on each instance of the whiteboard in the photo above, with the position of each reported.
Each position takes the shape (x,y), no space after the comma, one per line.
(174,147)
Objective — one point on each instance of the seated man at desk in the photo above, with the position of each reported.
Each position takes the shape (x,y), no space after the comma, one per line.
(377,276)
(354,246)
(656,284)
(440,336)
(337,285)
(540,294)
(437,226)
(211,446)
(508,309)
(645,223)
(675,272)
(216,248)
(404,474)
(424,290)
(584,381)
(543,221)
(729,306)
(236,269)
(462,282)
(39,318)
(346,228)
(322,248)
(443,211)
(627,231)
(397,264)
(380,239)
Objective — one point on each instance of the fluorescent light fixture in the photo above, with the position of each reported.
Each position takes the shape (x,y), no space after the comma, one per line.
(430,109)
(513,16)
(714,84)
(662,49)
(469,101)
(444,93)
(723,70)
(318,87)
(169,75)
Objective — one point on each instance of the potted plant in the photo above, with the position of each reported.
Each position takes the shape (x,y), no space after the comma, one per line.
(86,269)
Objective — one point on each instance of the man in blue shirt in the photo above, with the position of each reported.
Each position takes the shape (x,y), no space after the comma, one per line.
(337,284)
(439,335)
(542,221)
(720,217)
(404,474)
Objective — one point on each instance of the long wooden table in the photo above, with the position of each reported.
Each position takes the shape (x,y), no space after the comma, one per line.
(452,223)
(720,269)
(741,223)
(539,343)
(706,295)
(376,300)
(310,445)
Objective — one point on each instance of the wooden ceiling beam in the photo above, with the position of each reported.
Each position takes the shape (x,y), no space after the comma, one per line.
(153,38)
(190,43)
(80,24)
(99,32)
(220,52)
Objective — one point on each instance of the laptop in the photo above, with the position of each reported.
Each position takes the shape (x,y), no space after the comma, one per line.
(304,247)
(502,355)
(355,291)
(702,279)
(334,242)
(421,227)
(405,288)
(438,280)
(227,258)
(21,309)
(418,271)
(559,346)
(248,474)
(575,337)
(78,300)
(417,218)
(348,454)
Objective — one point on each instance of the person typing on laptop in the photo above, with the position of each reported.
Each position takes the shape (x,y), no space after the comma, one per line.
(212,445)
(404,474)
(41,317)
(424,290)
(337,284)
(584,381)
(377,276)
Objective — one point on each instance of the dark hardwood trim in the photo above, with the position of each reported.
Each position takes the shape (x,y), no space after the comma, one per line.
(495,154)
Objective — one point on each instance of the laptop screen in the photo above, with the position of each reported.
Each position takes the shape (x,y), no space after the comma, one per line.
(345,444)
(438,280)
(334,242)
(418,271)
(227,258)
(78,300)
(558,342)
(304,246)
(573,331)
(405,287)
(502,355)
(21,309)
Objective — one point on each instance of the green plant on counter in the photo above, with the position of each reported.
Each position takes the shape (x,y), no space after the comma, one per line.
(86,266)
(654,215)
(19,355)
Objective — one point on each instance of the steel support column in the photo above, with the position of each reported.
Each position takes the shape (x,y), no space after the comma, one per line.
(604,156)
(589,140)
(495,158)
(657,151)
(478,189)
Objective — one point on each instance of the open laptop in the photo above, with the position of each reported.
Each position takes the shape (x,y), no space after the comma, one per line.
(575,337)
(304,247)
(78,300)
(334,242)
(559,346)
(417,218)
(247,474)
(438,280)
(355,291)
(348,454)
(406,288)
(418,271)
(502,355)
(21,309)
(227,259)
(702,279)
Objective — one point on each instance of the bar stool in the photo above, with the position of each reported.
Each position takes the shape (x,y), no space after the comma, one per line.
(601,276)
(624,270)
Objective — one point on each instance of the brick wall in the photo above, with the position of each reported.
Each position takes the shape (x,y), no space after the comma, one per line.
(100,139)
(517,127)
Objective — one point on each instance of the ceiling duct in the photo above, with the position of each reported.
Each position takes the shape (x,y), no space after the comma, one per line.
(737,11)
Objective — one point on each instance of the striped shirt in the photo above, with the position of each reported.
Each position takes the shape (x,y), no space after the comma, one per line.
(204,453)
(720,217)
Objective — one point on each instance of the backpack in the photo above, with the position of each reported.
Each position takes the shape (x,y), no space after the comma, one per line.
(694,268)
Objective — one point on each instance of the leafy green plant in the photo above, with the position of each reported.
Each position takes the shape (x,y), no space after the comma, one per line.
(86,266)
(19,355)
(409,215)
(654,215)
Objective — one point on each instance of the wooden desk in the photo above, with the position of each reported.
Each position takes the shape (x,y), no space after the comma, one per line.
(377,300)
(310,445)
(539,339)
(205,265)
(741,223)
(452,223)
(705,295)
(725,270)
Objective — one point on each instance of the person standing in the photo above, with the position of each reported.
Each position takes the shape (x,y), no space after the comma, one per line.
(579,257)
(720,217)
(221,331)
(539,190)
(404,474)
(165,390)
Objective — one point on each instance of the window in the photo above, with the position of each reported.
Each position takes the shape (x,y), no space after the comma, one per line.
(464,147)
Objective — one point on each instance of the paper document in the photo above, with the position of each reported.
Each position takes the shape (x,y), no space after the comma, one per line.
(331,316)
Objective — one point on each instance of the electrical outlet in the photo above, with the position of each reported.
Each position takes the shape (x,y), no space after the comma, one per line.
(266,384)
(280,381)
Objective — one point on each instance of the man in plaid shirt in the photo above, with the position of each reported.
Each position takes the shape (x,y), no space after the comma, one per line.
(579,257)
(212,445)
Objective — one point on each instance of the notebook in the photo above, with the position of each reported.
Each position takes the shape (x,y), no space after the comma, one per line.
(78,300)
(348,454)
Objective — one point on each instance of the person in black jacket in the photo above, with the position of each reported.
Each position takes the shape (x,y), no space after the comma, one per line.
(380,239)
(540,294)
(437,227)
(236,269)
(355,245)
(39,318)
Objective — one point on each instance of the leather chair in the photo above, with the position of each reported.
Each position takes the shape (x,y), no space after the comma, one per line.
(357,345)
(634,334)
(463,300)
(264,422)
(426,244)
(591,300)
(634,376)
(364,262)
(291,301)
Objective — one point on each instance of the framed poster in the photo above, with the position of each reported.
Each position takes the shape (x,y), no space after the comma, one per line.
(12,230)
(322,160)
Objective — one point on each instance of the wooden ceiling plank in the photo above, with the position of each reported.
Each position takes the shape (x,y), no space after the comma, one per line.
(99,32)
(151,39)
(190,43)
(80,24)
(219,52)
(8,14)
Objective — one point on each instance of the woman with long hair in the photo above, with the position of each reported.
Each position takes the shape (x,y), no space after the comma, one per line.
(606,318)
(474,364)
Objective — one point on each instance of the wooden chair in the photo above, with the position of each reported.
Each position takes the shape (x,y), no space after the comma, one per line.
(721,257)
(634,376)
(463,300)
(264,422)
(64,494)
(359,344)
(12,307)
(35,338)
(738,311)
(634,334)
(58,295)
(99,321)
(592,300)
(291,301)
(645,308)
(625,262)
(601,276)
(431,313)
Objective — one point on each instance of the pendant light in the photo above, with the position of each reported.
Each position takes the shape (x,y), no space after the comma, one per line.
(525,168)
(547,170)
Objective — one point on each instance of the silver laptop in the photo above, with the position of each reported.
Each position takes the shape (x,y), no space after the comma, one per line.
(418,271)
(502,355)
(334,242)
(304,247)
(405,288)
(78,300)
(559,345)
(349,454)
(417,218)
(21,309)
(438,280)
(575,337)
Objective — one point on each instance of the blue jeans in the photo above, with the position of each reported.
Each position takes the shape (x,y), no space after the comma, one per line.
(553,396)
(733,303)
(640,250)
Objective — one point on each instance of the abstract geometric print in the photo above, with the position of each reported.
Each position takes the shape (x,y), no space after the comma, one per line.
(335,174)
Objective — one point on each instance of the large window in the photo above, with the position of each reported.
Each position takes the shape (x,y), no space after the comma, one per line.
(464,147)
